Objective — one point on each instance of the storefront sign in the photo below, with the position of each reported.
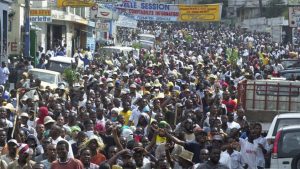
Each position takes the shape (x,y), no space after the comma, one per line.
(148,11)
(40,12)
(75,3)
(200,13)
(40,15)
(294,17)
(103,26)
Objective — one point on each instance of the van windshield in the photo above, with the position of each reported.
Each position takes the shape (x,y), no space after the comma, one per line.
(45,77)
(285,122)
(147,38)
(58,66)
(289,144)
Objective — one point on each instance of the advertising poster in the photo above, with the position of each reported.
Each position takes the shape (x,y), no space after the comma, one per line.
(200,13)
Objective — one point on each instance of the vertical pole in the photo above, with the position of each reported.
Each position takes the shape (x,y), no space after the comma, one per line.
(260,8)
(26,51)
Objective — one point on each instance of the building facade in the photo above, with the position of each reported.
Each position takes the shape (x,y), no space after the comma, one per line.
(4,18)
(64,27)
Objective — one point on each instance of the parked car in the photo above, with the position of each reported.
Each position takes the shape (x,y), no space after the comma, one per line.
(48,78)
(286,149)
(282,120)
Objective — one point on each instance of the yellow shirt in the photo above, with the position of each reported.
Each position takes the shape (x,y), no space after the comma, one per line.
(126,116)
(160,140)
(265,60)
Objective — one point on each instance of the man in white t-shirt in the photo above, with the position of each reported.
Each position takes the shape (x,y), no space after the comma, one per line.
(231,123)
(263,145)
(249,150)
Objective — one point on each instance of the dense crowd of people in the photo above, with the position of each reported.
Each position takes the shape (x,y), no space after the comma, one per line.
(172,106)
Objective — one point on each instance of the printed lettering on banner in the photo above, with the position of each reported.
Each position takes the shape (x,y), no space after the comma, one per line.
(200,13)
(149,11)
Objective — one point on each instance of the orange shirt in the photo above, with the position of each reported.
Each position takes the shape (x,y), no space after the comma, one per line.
(98,158)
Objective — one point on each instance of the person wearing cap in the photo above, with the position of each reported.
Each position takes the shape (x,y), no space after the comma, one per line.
(24,124)
(24,161)
(63,161)
(48,122)
(134,94)
(12,155)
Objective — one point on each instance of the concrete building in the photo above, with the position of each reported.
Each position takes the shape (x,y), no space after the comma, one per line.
(4,15)
(69,27)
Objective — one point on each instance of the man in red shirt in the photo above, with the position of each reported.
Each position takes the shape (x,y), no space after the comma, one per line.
(63,161)
(230,104)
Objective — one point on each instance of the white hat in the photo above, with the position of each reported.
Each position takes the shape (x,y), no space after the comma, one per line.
(48,119)
(132,86)
(125,74)
(24,114)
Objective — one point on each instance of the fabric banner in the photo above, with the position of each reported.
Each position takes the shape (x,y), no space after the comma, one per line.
(199,13)
(170,12)
(148,11)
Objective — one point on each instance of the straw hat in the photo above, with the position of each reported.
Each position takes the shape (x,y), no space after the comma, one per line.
(186,155)
(9,106)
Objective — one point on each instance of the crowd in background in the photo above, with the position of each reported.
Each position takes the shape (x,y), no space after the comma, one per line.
(172,106)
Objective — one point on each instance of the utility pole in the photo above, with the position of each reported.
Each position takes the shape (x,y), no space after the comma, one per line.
(26,52)
(260,8)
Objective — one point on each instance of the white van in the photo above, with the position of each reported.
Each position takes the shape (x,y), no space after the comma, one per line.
(147,40)
(47,77)
(60,63)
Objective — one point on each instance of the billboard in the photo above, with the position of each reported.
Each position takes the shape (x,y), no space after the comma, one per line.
(75,3)
(102,12)
(200,13)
